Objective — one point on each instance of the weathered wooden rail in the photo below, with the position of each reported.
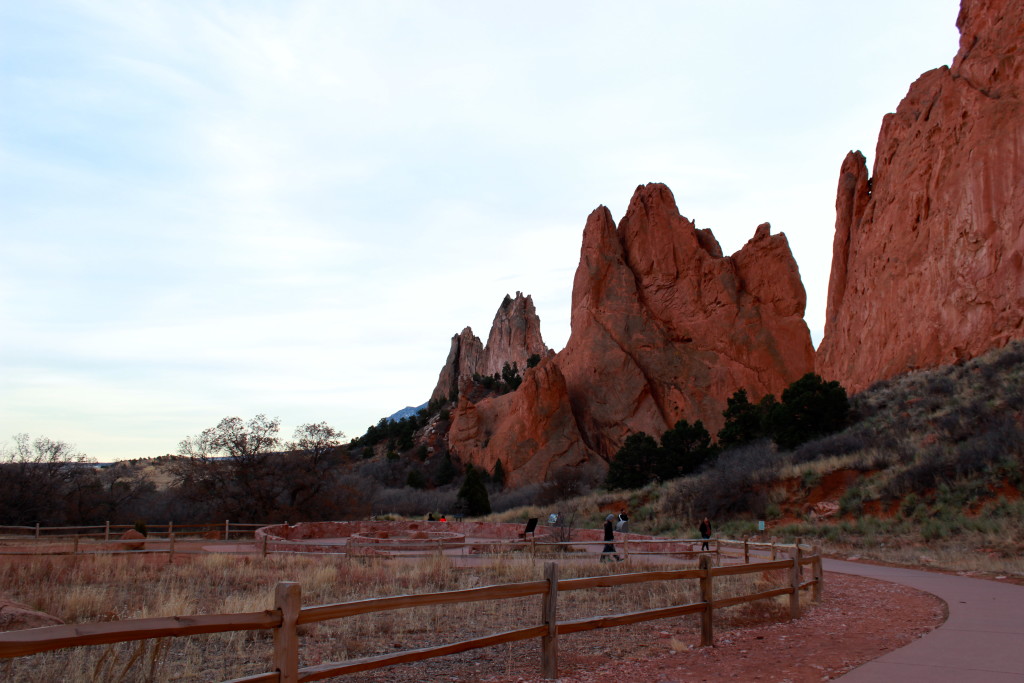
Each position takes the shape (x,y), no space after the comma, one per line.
(287,614)
(110,532)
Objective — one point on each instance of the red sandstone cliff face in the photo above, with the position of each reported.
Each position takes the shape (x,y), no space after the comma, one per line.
(927,258)
(532,430)
(664,327)
(515,336)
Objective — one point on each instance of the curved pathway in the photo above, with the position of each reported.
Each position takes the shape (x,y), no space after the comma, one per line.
(982,640)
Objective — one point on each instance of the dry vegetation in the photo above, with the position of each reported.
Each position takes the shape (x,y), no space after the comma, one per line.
(931,473)
(104,588)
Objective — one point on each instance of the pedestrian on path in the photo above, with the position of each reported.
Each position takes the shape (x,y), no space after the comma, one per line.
(705,533)
(609,536)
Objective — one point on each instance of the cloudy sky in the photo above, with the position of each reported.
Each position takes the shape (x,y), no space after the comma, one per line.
(211,209)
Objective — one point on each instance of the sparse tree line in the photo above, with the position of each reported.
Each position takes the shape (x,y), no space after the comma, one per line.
(243,470)
(50,482)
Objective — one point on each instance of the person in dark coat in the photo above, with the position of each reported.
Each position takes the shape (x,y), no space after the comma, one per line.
(705,533)
(609,536)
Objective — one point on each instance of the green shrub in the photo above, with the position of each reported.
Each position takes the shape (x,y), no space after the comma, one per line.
(852,501)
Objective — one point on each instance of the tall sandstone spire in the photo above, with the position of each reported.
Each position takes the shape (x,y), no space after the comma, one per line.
(514,337)
(928,257)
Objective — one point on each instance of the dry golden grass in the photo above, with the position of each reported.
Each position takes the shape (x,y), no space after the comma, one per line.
(100,587)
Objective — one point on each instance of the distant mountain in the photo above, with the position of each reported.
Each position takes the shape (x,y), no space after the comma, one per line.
(408,411)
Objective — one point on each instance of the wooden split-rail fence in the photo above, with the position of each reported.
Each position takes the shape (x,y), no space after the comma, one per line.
(288,614)
(161,539)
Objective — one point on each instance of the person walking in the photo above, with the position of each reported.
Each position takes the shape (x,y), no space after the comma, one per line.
(705,533)
(609,536)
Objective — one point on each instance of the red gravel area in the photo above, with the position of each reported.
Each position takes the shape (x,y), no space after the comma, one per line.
(857,620)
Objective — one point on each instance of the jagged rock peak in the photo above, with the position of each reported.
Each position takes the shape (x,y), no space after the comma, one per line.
(464,358)
(514,337)
(665,328)
(515,334)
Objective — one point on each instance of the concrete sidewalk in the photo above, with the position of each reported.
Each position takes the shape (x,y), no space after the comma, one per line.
(982,641)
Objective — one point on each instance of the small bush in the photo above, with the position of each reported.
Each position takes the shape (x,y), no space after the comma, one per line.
(852,501)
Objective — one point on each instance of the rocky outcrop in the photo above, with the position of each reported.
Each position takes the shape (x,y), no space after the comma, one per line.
(15,616)
(928,256)
(464,359)
(664,327)
(532,430)
(514,337)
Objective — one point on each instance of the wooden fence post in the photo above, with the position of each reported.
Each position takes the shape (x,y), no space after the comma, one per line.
(288,600)
(707,596)
(37,531)
(795,576)
(170,555)
(227,529)
(818,575)
(106,533)
(75,550)
(773,549)
(746,550)
(549,642)
(170,527)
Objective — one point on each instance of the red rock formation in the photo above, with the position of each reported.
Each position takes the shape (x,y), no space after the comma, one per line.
(515,336)
(666,328)
(532,430)
(927,258)
(15,616)
(464,359)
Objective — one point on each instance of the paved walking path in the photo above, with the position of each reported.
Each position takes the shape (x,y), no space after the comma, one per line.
(982,641)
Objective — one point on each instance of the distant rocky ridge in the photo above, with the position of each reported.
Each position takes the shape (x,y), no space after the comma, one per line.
(928,256)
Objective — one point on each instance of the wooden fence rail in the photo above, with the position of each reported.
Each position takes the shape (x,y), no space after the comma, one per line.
(287,615)
(105,530)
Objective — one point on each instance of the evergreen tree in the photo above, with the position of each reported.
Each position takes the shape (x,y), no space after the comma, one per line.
(498,475)
(473,494)
(635,464)
(510,376)
(743,422)
(684,448)
(811,407)
(446,471)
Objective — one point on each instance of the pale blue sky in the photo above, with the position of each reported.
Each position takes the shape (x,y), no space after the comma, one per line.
(224,208)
